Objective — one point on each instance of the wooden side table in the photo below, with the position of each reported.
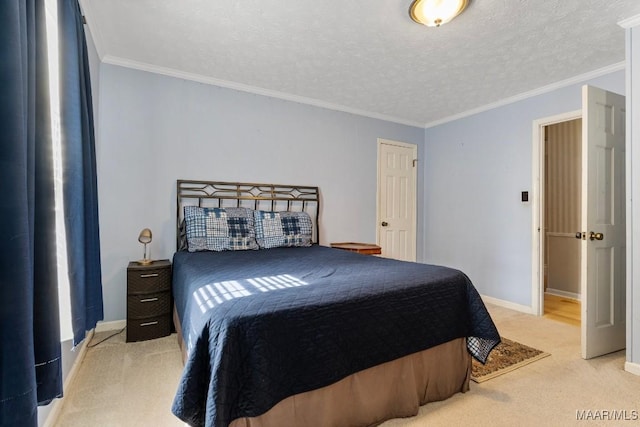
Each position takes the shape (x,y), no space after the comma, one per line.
(148,300)
(361,248)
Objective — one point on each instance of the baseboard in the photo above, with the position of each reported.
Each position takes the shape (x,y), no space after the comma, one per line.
(507,304)
(565,294)
(632,368)
(114,325)
(56,409)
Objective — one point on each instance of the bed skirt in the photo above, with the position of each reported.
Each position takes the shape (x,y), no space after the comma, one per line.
(394,389)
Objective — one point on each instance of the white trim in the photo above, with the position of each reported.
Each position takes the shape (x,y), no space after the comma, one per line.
(630,22)
(398,144)
(545,89)
(110,326)
(630,190)
(171,72)
(57,404)
(507,304)
(565,294)
(632,368)
(537,239)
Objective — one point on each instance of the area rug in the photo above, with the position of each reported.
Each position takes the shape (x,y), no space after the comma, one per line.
(505,357)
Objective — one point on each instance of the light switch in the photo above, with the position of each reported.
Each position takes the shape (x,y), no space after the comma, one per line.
(525,196)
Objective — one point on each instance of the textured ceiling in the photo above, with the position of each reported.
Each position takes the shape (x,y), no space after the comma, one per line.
(366,56)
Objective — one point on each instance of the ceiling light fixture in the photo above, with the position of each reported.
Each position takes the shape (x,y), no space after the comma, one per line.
(434,13)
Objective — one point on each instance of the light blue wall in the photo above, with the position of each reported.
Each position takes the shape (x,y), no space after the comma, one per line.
(155,129)
(475,169)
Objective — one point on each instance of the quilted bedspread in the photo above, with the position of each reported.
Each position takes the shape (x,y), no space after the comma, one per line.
(264,325)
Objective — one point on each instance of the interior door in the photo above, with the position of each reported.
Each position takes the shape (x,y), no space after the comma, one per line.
(603,222)
(397,200)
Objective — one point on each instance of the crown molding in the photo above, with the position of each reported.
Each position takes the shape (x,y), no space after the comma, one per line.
(633,21)
(545,89)
(171,72)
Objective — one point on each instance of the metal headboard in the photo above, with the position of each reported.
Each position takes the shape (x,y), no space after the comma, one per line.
(271,197)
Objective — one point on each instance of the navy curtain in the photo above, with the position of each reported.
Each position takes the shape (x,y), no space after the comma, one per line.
(29,324)
(79,164)
(30,362)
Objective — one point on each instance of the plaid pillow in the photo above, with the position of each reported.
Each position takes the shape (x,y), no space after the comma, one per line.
(282,229)
(216,229)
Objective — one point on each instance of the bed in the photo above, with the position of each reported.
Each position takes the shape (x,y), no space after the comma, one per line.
(277,330)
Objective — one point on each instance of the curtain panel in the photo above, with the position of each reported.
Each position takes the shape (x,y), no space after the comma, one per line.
(29,325)
(79,164)
(30,359)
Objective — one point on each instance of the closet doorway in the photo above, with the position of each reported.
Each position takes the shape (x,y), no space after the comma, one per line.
(562,218)
(603,221)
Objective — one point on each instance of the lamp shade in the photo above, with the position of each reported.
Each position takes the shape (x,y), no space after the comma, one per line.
(145,237)
(434,13)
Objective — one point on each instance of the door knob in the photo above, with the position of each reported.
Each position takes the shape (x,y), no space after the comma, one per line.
(579,235)
(596,236)
(384,223)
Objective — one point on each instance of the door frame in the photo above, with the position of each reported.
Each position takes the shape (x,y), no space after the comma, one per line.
(414,148)
(538,218)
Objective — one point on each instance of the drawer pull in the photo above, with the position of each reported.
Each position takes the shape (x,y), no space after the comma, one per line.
(145,276)
(149,323)
(149,299)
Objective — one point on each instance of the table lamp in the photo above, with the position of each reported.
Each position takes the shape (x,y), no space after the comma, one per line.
(145,238)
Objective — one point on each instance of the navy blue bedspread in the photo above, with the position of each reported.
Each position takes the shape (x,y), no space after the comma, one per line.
(264,325)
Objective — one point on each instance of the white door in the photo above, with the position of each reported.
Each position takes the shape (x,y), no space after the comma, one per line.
(397,199)
(603,222)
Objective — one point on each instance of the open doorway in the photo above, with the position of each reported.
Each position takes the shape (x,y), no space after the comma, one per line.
(562,219)
(602,231)
(554,216)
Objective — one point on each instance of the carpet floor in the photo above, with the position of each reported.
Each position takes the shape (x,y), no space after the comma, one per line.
(132,384)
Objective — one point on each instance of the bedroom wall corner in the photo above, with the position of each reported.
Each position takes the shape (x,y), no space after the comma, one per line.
(475,170)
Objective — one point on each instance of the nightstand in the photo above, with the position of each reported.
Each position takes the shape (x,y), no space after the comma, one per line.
(361,248)
(148,300)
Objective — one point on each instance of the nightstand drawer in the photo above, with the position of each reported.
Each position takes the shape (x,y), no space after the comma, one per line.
(149,328)
(149,280)
(148,305)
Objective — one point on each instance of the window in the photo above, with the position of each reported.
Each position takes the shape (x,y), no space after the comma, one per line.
(64,296)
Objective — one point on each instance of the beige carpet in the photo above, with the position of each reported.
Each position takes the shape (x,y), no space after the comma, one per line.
(124,384)
(132,384)
(505,357)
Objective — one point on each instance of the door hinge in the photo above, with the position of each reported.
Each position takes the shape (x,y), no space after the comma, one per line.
(415,161)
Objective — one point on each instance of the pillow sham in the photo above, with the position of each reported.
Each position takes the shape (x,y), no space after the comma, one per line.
(219,229)
(282,229)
